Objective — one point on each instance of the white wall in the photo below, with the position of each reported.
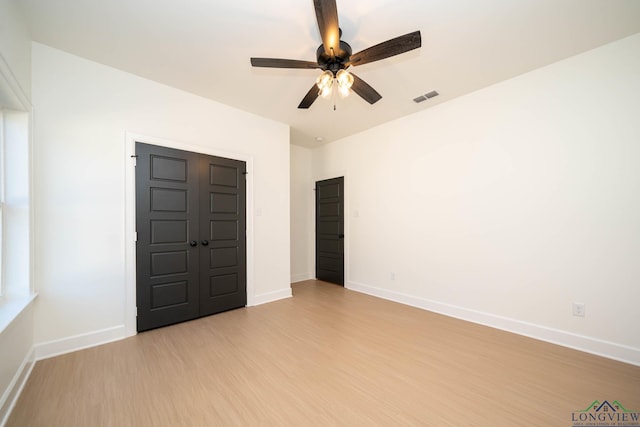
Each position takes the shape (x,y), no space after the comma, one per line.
(83,110)
(302,215)
(506,205)
(16,359)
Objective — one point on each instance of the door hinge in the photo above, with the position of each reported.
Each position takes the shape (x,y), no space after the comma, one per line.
(135,159)
(136,311)
(135,236)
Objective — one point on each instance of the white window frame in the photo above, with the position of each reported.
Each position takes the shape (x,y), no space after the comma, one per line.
(3,289)
(16,115)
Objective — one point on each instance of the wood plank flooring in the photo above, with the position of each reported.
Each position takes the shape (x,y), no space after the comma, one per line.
(327,356)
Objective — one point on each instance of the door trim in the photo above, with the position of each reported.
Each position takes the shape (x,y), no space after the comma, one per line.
(347,221)
(130,217)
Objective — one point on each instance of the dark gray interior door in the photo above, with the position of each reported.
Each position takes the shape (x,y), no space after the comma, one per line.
(330,230)
(167,270)
(222,221)
(190,223)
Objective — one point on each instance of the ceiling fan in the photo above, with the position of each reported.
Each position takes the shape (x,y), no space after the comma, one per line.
(334,57)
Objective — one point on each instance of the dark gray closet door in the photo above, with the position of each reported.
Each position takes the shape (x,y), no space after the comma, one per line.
(222,222)
(190,222)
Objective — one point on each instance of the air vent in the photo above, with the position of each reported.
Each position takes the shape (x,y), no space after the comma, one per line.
(426,96)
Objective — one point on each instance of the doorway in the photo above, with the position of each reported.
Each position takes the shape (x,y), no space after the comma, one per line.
(330,230)
(191,243)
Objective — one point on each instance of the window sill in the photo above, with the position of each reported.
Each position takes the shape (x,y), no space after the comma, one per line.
(11,307)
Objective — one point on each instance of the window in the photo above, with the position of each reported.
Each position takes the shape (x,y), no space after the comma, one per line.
(15,270)
(16,290)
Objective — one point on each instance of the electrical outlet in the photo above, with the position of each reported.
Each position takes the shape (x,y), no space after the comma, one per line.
(578,309)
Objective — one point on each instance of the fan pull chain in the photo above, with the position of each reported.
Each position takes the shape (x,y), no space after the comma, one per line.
(333,94)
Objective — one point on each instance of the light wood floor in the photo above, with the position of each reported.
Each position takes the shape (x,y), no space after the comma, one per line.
(327,356)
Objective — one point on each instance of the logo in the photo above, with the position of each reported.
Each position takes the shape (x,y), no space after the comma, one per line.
(606,414)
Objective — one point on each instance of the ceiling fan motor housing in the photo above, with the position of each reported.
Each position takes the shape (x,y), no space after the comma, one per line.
(334,63)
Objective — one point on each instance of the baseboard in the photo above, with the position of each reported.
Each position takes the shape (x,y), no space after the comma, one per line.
(78,342)
(272,296)
(302,277)
(591,345)
(10,396)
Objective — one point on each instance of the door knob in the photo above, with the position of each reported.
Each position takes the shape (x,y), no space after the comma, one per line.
(205,242)
(193,243)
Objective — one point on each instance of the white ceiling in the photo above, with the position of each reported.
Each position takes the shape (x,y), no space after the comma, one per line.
(204,46)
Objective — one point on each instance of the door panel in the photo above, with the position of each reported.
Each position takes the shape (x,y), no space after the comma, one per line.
(223,285)
(169,231)
(223,203)
(223,257)
(166,220)
(224,218)
(222,175)
(224,230)
(330,230)
(169,294)
(191,221)
(168,200)
(165,263)
(168,168)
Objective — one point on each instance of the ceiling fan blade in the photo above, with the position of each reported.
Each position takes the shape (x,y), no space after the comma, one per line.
(282,63)
(387,49)
(365,91)
(327,17)
(311,96)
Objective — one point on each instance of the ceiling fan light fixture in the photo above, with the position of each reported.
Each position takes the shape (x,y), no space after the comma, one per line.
(345,79)
(324,83)
(325,92)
